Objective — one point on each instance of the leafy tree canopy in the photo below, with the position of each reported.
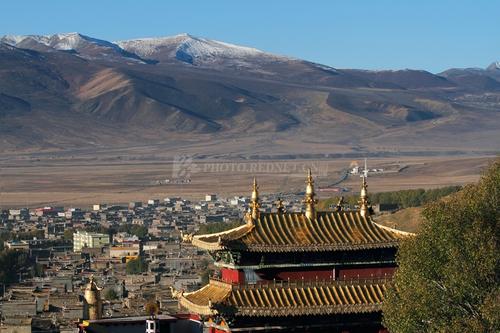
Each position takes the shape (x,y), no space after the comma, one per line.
(68,234)
(448,276)
(134,229)
(97,228)
(213,227)
(136,266)
(403,198)
(13,263)
(110,294)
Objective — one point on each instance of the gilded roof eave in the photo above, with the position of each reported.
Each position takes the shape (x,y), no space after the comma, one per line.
(319,247)
(294,232)
(203,310)
(287,299)
(215,241)
(199,301)
(309,310)
(404,234)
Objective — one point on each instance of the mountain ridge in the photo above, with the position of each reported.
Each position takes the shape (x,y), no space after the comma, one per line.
(161,90)
(70,40)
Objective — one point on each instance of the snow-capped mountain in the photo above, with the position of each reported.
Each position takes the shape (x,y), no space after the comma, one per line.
(476,78)
(494,66)
(66,41)
(63,41)
(183,48)
(196,46)
(194,50)
(13,39)
(196,86)
(85,46)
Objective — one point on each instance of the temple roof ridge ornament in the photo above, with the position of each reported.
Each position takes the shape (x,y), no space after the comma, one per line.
(310,199)
(340,204)
(92,285)
(280,208)
(254,202)
(364,205)
(340,230)
(92,296)
(186,238)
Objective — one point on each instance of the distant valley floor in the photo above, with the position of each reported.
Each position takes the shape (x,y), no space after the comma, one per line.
(34,181)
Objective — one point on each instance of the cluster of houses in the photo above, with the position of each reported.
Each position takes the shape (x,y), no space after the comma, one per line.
(69,246)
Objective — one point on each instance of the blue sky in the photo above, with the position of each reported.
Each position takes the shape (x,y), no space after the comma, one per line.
(382,34)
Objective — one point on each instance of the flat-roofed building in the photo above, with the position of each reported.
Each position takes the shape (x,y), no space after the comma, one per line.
(124,251)
(210,197)
(83,239)
(17,245)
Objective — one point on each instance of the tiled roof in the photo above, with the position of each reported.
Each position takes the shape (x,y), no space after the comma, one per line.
(287,299)
(289,232)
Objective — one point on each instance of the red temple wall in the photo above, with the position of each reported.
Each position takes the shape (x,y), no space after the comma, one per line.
(306,275)
(188,316)
(216,330)
(238,276)
(368,272)
(338,274)
(232,275)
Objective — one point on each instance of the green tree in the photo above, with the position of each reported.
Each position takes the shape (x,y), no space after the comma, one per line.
(13,263)
(39,234)
(97,228)
(110,294)
(205,275)
(37,270)
(68,234)
(403,198)
(151,308)
(204,263)
(4,236)
(136,266)
(448,276)
(134,229)
(139,231)
(213,227)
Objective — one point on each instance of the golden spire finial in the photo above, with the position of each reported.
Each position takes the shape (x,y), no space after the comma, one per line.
(254,202)
(309,175)
(280,207)
(364,208)
(255,190)
(340,204)
(310,199)
(93,303)
(310,183)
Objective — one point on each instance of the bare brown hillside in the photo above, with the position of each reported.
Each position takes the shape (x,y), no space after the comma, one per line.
(189,90)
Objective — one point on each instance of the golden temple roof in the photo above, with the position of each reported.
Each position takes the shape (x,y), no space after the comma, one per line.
(291,232)
(287,299)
